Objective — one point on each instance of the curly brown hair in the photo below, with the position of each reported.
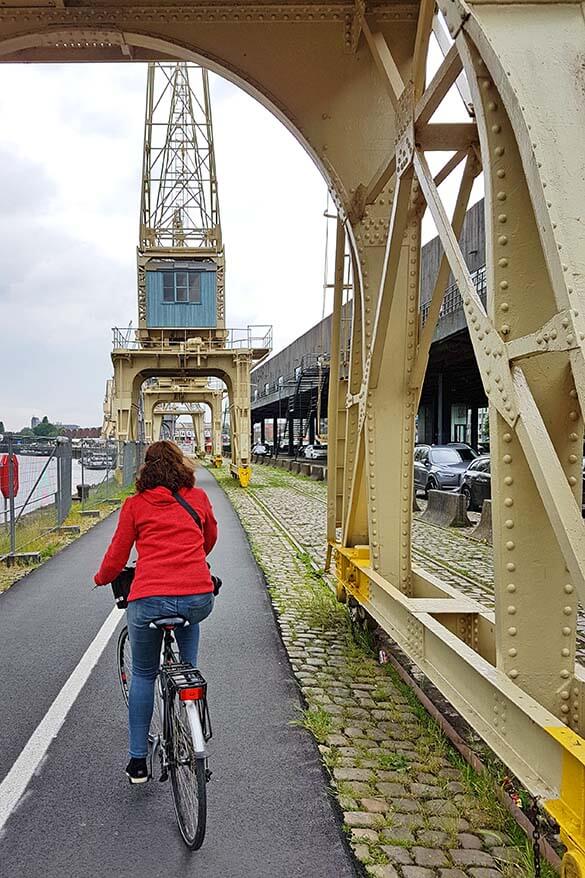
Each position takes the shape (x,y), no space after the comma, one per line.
(164,466)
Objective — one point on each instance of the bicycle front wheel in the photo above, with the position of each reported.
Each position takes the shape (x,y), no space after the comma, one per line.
(188,776)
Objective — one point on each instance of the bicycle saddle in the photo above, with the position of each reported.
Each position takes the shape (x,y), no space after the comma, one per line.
(169,622)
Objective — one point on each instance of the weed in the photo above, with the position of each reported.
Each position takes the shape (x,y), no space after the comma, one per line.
(317,721)
(392,762)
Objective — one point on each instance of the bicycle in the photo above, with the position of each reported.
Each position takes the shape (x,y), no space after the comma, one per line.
(180,728)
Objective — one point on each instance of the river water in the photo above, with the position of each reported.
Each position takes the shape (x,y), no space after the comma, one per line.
(29,470)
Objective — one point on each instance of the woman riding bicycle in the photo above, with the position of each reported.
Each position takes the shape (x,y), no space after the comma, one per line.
(172,577)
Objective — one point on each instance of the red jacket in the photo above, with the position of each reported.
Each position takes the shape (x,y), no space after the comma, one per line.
(170,546)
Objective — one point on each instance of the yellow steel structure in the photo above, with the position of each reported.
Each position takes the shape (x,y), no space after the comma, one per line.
(349,81)
(182,393)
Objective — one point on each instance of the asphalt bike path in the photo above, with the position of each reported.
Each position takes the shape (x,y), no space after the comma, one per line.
(269,811)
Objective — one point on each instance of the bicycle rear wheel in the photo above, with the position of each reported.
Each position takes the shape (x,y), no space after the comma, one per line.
(124,664)
(188,776)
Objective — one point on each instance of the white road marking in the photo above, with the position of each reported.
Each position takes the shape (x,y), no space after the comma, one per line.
(16,781)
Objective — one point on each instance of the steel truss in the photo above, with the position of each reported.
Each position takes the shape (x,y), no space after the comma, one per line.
(349,80)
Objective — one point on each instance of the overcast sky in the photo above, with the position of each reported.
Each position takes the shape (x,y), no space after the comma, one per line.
(70,163)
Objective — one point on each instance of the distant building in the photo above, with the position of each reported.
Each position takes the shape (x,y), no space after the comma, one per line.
(34,422)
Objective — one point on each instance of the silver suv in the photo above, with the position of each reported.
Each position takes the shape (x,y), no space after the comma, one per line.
(437,467)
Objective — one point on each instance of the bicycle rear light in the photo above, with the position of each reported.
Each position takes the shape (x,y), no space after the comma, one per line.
(193,693)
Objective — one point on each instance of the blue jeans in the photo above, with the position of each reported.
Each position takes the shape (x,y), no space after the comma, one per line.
(146,646)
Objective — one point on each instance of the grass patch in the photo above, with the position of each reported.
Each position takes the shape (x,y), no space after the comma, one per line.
(317,721)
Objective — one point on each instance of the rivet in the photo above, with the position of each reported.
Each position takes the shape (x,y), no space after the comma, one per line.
(575,717)
(510,545)
(501,196)
(565,695)
(573,416)
(507,437)
(496,129)
(502,240)
(508,502)
(504,306)
(511,610)
(513,673)
(573,394)
(501,173)
(508,480)
(499,150)
(565,675)
(567,610)
(510,566)
(566,631)
(511,587)
(572,480)
(505,329)
(503,262)
(503,284)
(573,437)
(513,652)
(512,632)
(565,708)
(507,458)
(565,652)
(569,589)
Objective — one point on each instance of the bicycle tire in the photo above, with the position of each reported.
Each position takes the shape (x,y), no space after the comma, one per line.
(124,662)
(188,776)
(124,665)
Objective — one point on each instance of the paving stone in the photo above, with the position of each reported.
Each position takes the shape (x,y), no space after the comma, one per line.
(417,872)
(448,824)
(376,806)
(429,857)
(469,841)
(441,807)
(362,851)
(392,776)
(354,732)
(453,873)
(397,854)
(397,833)
(472,858)
(361,818)
(387,871)
(455,787)
(362,774)
(405,805)
(485,873)
(492,838)
(432,837)
(359,833)
(337,741)
(424,791)
(393,790)
(505,854)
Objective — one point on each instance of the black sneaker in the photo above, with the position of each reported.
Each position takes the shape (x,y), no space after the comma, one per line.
(137,771)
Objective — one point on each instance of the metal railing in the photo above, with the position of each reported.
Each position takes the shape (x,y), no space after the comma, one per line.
(452,301)
(309,363)
(35,483)
(251,338)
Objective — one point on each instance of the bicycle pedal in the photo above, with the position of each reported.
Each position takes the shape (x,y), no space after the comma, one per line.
(164,776)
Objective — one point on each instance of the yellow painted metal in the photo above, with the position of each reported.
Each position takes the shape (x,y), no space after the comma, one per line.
(244,475)
(569,809)
(218,461)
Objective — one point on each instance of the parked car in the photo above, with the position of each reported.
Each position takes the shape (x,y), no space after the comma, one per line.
(466,451)
(316,452)
(476,483)
(437,467)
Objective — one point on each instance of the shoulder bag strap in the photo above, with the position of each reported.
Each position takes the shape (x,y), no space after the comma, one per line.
(188,508)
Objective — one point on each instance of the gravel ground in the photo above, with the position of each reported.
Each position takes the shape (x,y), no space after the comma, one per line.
(410,807)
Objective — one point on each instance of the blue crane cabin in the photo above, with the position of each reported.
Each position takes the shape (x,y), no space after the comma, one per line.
(181,294)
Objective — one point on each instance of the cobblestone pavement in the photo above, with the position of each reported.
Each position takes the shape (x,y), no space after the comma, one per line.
(452,555)
(411,808)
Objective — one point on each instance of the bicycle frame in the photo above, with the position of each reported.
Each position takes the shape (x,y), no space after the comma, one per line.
(197,713)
